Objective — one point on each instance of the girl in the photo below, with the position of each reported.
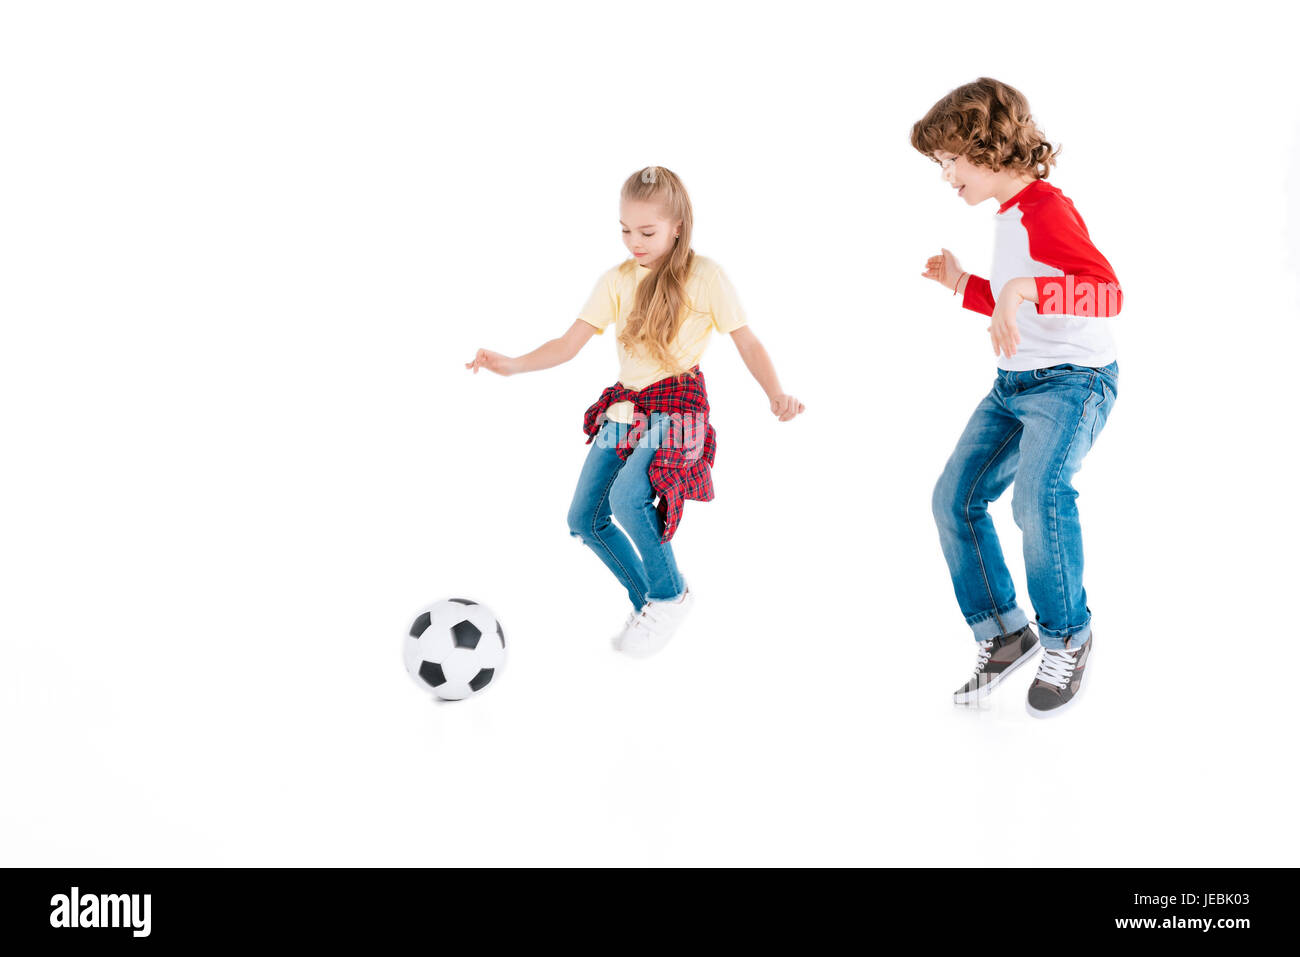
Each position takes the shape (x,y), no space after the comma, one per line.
(1049,295)
(650,429)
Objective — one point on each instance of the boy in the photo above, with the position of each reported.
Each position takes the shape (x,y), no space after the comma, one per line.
(1048,295)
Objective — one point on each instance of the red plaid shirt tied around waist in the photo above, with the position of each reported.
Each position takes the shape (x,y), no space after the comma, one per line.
(682,465)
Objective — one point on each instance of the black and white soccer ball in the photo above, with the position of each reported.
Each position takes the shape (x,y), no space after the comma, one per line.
(455,648)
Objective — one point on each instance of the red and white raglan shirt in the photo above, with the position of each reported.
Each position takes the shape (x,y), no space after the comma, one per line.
(1040,234)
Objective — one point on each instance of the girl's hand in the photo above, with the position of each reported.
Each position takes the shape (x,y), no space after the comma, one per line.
(786,407)
(492,361)
(943,269)
(1003,330)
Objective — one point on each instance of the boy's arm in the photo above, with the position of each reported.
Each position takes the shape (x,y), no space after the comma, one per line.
(977,295)
(1059,238)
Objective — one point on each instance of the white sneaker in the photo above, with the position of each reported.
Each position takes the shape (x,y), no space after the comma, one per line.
(617,640)
(653,627)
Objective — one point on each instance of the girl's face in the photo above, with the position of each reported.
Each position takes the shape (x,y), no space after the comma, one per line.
(973,183)
(646,234)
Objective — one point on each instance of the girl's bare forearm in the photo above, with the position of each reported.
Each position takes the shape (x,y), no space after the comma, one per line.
(759,364)
(549,354)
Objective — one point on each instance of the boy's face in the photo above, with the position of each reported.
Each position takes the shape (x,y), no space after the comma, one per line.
(646,234)
(973,183)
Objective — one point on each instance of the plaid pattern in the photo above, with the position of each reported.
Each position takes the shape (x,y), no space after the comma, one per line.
(673,473)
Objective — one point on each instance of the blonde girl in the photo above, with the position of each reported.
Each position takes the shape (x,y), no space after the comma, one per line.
(650,433)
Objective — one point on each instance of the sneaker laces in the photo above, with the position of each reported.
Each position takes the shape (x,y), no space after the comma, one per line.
(982,658)
(644,617)
(658,610)
(1057,666)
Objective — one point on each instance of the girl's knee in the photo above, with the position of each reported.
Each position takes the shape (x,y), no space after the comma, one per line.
(627,495)
(581,518)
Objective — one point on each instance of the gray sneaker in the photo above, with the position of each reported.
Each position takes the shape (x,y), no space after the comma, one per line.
(997,658)
(1059,680)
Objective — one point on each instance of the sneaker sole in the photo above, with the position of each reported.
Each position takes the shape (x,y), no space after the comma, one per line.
(659,646)
(616,641)
(969,697)
(646,651)
(1035,713)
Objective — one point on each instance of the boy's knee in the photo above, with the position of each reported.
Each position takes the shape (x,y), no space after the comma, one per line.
(943,502)
(1031,499)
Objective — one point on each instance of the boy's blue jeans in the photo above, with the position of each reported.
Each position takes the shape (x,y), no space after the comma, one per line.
(607,487)
(1034,428)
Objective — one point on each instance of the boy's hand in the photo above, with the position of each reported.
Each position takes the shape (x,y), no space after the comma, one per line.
(943,269)
(492,361)
(786,407)
(1003,330)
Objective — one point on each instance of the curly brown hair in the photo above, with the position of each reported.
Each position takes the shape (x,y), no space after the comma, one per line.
(989,123)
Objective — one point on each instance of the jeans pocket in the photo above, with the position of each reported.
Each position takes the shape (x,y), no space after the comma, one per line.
(1109,377)
(1055,372)
(1103,401)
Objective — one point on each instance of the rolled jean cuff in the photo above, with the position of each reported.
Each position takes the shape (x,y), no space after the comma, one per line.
(1056,639)
(985,625)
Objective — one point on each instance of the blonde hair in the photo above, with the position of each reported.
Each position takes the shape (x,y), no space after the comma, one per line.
(661,300)
(989,123)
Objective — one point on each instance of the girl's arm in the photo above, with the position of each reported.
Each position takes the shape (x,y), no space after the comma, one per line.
(548,354)
(784,407)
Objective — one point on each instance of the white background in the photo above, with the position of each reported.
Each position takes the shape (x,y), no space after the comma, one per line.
(246,249)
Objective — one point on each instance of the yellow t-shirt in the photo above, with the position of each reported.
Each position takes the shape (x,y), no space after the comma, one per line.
(711,304)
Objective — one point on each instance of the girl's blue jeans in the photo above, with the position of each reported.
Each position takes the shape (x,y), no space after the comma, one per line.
(1034,428)
(612,488)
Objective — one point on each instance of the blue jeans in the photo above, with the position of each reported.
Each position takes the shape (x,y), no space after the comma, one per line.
(1034,427)
(609,487)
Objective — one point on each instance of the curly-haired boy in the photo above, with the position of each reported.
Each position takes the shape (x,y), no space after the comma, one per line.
(1049,295)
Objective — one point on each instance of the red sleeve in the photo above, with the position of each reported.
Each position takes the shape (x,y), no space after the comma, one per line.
(978,296)
(1058,238)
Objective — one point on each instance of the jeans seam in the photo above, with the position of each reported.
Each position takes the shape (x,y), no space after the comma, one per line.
(596,535)
(651,516)
(1105,395)
(979,554)
(649,513)
(1059,559)
(995,613)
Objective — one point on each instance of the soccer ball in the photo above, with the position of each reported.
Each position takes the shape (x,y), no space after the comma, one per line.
(455,648)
